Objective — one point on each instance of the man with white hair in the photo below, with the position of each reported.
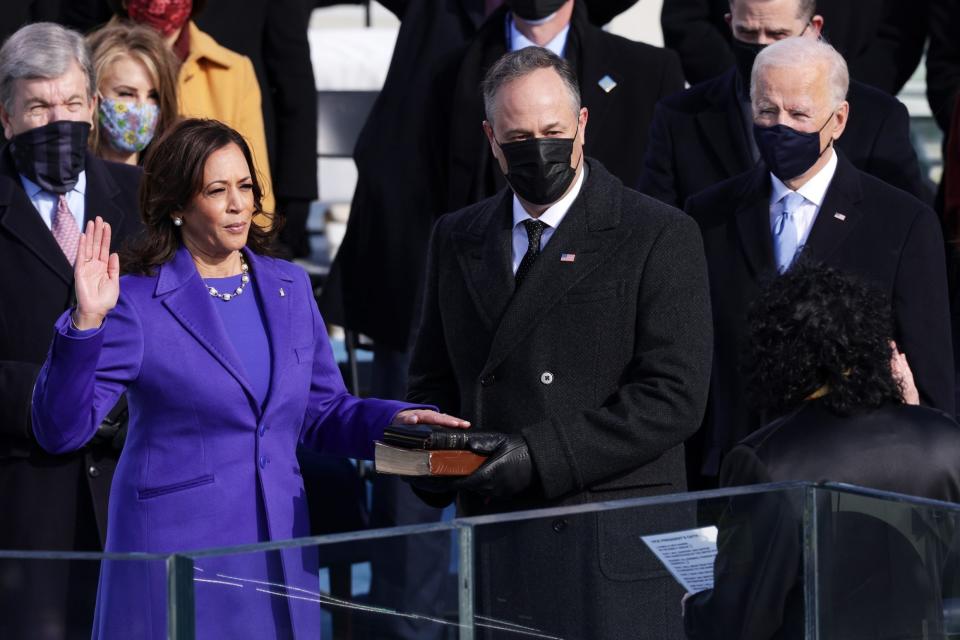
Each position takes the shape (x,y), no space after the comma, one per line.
(805,196)
(703,135)
(50,186)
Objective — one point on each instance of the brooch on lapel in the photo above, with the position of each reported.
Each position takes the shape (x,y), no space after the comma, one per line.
(839,216)
(607,83)
(568,257)
(282,292)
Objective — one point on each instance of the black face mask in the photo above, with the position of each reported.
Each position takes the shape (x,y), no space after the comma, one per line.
(787,152)
(53,155)
(538,169)
(534,9)
(745,53)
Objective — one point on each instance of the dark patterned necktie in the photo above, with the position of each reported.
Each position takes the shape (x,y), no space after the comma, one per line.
(534,233)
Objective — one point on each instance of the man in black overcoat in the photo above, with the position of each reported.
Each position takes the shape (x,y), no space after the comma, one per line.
(48,502)
(806,196)
(620,83)
(567,317)
(703,135)
(882,40)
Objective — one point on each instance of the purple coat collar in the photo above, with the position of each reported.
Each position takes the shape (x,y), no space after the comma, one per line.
(186,297)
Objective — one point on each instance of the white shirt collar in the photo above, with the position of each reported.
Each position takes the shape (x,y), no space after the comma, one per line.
(519,41)
(814,190)
(555,214)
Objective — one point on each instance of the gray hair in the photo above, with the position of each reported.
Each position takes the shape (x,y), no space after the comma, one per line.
(803,53)
(806,9)
(42,50)
(516,64)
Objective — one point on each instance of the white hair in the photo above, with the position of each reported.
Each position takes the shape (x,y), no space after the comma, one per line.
(804,53)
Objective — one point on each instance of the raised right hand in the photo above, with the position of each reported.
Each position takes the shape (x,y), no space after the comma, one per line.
(96,276)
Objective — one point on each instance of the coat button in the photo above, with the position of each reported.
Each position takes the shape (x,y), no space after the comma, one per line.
(263,429)
(488,380)
(263,462)
(559,525)
(93,471)
(546,377)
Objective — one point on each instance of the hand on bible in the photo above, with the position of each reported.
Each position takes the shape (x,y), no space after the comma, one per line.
(96,276)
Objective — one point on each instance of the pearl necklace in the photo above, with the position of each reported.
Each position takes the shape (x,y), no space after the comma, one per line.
(244,279)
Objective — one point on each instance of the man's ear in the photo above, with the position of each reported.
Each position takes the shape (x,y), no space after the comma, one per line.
(5,121)
(816,23)
(843,113)
(494,147)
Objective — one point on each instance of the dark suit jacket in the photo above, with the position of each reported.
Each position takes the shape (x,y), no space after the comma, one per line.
(698,138)
(37,289)
(600,363)
(882,40)
(865,227)
(757,592)
(619,119)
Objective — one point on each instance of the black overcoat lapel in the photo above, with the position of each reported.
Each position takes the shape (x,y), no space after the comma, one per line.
(484,251)
(839,214)
(19,217)
(589,232)
(753,222)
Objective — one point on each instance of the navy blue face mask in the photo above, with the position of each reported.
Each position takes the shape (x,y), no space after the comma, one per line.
(787,152)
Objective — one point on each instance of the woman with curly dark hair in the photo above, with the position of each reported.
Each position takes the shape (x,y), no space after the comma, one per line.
(816,333)
(822,364)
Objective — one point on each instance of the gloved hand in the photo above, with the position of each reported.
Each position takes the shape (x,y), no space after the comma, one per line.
(507,471)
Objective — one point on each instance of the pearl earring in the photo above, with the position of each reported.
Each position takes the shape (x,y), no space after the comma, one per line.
(177,222)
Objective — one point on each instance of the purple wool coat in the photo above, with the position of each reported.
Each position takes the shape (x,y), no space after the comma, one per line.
(203,466)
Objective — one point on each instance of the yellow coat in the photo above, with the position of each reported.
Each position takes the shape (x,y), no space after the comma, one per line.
(218,83)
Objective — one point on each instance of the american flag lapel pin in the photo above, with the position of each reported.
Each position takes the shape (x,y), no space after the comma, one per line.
(568,257)
(282,292)
(839,216)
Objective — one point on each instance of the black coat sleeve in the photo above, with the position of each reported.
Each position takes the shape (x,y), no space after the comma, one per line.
(16,381)
(895,49)
(657,179)
(922,314)
(943,60)
(696,30)
(893,158)
(431,379)
(758,562)
(286,58)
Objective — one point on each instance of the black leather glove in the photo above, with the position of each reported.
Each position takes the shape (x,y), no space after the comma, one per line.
(507,471)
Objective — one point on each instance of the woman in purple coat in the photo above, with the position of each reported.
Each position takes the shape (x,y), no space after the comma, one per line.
(227,368)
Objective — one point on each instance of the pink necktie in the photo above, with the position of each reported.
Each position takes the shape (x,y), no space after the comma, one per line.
(65,230)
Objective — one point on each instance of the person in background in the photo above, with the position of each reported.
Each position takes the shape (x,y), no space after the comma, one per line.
(273,34)
(49,502)
(620,81)
(213,432)
(806,198)
(882,40)
(213,81)
(841,406)
(137,84)
(703,135)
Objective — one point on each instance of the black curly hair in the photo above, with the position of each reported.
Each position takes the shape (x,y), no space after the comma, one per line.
(815,328)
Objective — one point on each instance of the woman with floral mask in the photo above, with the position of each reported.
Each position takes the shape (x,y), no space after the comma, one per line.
(137,87)
(212,81)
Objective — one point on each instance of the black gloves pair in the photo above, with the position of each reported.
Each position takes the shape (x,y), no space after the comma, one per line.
(507,471)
